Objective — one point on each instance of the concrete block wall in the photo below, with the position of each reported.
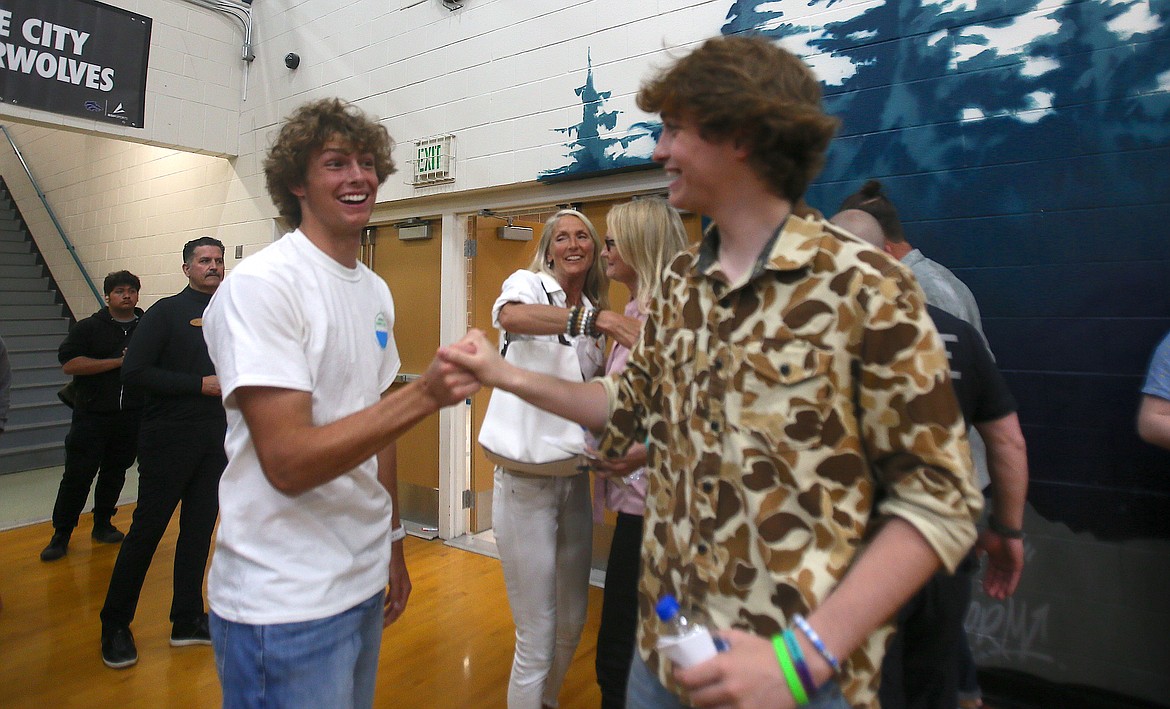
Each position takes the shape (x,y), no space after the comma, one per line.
(1023,143)
(499,75)
(126,206)
(129,198)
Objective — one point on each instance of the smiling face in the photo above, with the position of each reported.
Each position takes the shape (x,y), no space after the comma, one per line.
(697,167)
(570,249)
(337,197)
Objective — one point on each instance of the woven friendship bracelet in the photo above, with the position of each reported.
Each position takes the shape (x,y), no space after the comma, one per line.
(790,676)
(802,624)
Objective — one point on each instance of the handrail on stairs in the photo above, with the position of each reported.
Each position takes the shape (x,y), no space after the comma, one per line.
(60,230)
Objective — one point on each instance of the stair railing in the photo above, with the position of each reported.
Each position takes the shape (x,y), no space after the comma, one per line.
(60,230)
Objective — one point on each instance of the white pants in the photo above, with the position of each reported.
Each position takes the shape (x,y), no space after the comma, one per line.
(544,533)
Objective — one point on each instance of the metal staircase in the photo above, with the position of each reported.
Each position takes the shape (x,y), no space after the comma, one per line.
(33,322)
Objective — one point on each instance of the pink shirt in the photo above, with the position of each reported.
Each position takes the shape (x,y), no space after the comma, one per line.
(630,497)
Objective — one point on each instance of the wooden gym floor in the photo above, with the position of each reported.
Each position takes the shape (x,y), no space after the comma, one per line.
(451,649)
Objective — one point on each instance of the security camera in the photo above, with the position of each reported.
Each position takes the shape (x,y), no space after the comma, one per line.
(292,60)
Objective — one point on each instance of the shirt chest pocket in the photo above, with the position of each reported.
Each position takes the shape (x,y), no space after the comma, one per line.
(786,393)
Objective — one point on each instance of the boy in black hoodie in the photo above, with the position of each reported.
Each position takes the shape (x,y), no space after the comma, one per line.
(103,438)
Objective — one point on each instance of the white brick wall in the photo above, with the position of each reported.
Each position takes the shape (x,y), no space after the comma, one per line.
(125,205)
(499,75)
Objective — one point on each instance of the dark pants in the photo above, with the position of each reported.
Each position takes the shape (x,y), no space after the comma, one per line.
(175,464)
(101,445)
(619,611)
(921,667)
(968,673)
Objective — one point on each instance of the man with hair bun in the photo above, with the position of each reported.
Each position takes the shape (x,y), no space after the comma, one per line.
(807,465)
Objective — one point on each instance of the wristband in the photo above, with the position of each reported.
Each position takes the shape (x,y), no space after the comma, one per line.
(573,312)
(589,329)
(802,625)
(397,534)
(790,676)
(806,679)
(1004,531)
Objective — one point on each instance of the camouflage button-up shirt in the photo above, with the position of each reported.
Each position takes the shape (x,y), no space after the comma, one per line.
(787,414)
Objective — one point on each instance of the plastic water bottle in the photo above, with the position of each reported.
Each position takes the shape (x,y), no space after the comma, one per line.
(683,641)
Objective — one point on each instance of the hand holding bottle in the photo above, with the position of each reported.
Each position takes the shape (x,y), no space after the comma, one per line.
(683,640)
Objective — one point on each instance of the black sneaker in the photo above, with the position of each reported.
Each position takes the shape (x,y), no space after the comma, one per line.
(118,649)
(57,548)
(190,632)
(106,533)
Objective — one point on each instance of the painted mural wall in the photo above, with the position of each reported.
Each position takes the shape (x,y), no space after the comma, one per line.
(1026,144)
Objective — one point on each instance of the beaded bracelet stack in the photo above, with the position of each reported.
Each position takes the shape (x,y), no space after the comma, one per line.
(582,321)
(796,672)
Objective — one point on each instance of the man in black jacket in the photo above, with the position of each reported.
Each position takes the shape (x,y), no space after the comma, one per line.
(103,437)
(180,457)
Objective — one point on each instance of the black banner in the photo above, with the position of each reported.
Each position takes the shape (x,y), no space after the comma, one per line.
(76,58)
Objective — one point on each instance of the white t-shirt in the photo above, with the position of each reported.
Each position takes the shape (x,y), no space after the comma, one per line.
(291,317)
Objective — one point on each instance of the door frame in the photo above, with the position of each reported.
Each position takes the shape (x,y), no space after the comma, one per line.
(454,209)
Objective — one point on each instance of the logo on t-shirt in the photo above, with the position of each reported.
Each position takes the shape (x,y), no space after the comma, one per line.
(381,331)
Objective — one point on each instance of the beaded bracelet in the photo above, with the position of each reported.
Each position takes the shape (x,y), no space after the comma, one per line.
(583,322)
(790,677)
(802,624)
(1003,530)
(570,324)
(806,679)
(590,327)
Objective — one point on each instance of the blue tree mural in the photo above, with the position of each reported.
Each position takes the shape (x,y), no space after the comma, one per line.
(593,152)
(1025,143)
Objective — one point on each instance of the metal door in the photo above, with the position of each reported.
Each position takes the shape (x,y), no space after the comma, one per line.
(412,270)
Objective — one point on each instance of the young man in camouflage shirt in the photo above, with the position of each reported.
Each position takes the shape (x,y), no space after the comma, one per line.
(807,456)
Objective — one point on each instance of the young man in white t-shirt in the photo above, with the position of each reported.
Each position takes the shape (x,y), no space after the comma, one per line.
(302,337)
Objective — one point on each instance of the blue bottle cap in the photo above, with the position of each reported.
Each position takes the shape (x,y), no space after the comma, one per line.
(667,607)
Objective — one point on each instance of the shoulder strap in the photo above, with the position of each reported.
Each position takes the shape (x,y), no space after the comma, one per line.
(560,337)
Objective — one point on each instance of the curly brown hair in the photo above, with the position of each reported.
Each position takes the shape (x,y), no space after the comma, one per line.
(746,88)
(308,129)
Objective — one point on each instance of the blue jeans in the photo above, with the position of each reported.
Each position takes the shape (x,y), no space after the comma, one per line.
(644,691)
(331,662)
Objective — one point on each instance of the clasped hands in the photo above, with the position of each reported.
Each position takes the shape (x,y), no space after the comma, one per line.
(459,369)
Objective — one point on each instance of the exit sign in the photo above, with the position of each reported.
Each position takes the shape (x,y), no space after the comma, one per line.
(434,160)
